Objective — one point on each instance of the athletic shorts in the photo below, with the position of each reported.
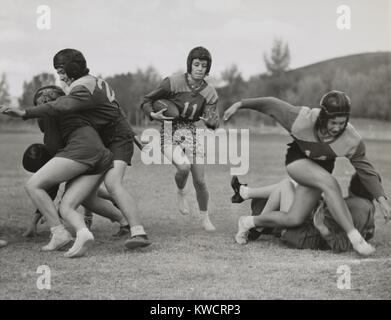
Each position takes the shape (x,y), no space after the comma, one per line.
(184,135)
(118,138)
(85,146)
(295,153)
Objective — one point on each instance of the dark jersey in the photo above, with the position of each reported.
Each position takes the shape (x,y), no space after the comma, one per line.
(191,103)
(51,134)
(90,102)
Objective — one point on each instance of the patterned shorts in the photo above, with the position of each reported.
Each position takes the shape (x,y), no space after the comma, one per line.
(183,134)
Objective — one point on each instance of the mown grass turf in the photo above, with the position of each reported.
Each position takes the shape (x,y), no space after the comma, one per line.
(185,262)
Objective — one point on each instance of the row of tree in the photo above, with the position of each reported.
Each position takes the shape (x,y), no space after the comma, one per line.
(370,91)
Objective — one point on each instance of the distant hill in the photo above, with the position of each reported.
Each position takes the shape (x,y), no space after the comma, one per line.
(365,77)
(358,63)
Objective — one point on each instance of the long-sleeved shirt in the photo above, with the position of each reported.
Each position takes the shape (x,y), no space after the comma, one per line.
(90,102)
(192,104)
(300,123)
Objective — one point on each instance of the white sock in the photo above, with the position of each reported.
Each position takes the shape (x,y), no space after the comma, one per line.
(354,236)
(56,229)
(243,191)
(137,231)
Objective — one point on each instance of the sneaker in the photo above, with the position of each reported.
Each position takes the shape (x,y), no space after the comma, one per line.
(255,233)
(138,241)
(123,231)
(84,240)
(235,184)
(183,205)
(207,224)
(3,243)
(58,241)
(363,248)
(242,236)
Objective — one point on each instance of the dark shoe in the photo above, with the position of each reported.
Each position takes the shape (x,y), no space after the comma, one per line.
(255,233)
(139,241)
(123,231)
(88,221)
(235,184)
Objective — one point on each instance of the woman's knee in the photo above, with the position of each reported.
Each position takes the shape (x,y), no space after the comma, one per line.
(31,186)
(183,168)
(329,183)
(287,183)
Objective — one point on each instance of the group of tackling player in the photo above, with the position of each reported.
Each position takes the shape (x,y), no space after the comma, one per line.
(88,142)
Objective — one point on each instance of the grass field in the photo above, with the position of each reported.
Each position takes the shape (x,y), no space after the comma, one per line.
(184,262)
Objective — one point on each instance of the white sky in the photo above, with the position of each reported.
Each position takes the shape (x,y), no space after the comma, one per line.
(119,36)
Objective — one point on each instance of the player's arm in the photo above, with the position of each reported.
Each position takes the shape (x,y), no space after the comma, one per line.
(283,112)
(79,99)
(211,116)
(163,91)
(370,178)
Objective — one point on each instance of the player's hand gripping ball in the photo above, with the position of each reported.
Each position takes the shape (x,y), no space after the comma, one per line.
(171,108)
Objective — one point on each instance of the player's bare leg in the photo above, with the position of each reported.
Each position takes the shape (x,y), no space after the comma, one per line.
(105,208)
(198,174)
(308,173)
(243,192)
(77,191)
(57,170)
(280,198)
(127,205)
(182,164)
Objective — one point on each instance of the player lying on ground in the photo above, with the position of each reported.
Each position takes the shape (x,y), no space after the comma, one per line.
(319,230)
(320,135)
(196,100)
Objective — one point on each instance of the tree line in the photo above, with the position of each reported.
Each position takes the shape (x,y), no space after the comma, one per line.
(369,89)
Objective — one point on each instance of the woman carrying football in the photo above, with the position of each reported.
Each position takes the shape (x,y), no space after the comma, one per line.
(320,135)
(196,100)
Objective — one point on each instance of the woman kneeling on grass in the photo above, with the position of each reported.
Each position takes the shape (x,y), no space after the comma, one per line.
(320,135)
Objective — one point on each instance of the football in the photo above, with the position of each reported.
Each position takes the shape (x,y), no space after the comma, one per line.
(172,109)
